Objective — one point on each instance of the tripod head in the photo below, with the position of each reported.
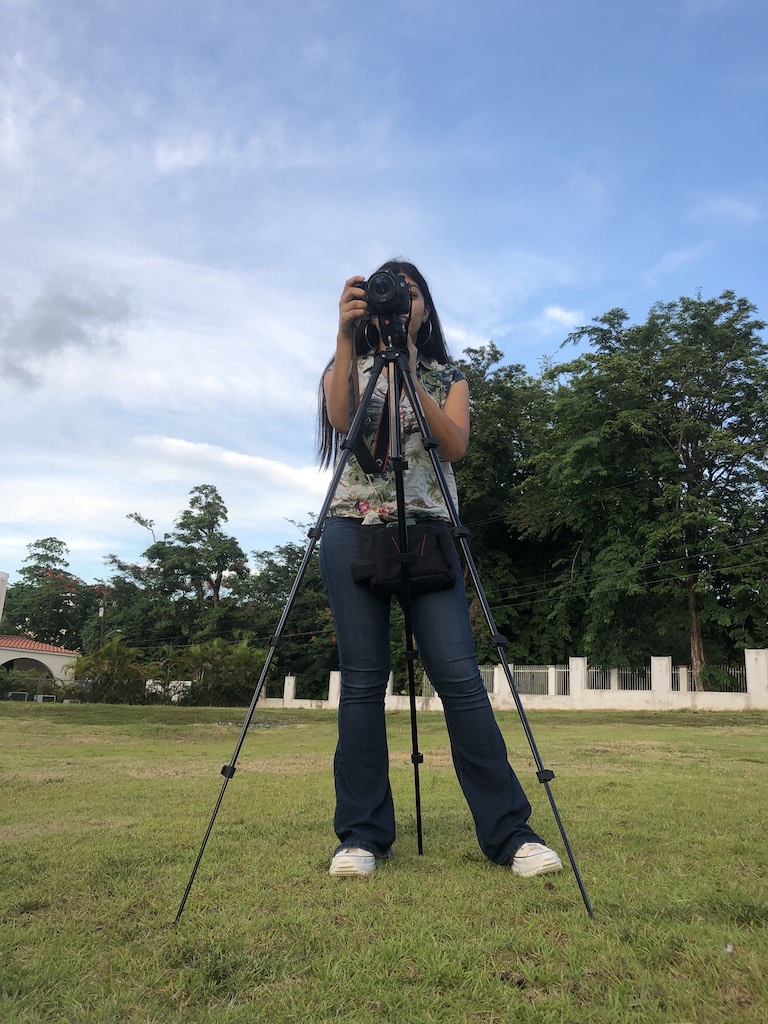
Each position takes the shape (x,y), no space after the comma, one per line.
(394,331)
(389,302)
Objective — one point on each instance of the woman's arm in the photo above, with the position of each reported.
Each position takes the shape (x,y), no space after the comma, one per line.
(449,425)
(352,306)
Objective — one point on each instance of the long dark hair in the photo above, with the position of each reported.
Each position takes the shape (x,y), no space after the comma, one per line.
(430,341)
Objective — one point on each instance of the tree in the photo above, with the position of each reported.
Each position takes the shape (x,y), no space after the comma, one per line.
(308,650)
(114,674)
(183,591)
(164,671)
(223,673)
(198,555)
(49,604)
(654,473)
(510,413)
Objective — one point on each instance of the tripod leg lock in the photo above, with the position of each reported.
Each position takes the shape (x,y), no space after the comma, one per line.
(417,758)
(228,771)
(545,775)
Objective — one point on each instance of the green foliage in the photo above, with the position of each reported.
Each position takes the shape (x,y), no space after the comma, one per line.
(616,505)
(308,650)
(714,678)
(184,590)
(113,674)
(49,604)
(653,477)
(222,673)
(510,413)
(29,681)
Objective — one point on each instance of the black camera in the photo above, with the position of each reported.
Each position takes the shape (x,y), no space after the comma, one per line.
(388,294)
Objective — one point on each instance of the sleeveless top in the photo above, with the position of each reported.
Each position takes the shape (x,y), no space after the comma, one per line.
(360,495)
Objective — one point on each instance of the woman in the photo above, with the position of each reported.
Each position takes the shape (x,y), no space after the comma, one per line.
(364,820)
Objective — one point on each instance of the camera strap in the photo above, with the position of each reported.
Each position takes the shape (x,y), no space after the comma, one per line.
(375,462)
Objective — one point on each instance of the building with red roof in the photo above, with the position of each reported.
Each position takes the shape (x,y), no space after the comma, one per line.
(17,652)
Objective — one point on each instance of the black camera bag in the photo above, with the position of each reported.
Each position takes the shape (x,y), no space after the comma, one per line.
(431,558)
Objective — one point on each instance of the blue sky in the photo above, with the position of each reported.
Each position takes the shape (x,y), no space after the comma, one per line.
(185,186)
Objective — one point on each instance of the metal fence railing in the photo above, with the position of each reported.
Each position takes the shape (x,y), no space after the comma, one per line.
(531,678)
(562,681)
(598,678)
(634,678)
(486,674)
(535,679)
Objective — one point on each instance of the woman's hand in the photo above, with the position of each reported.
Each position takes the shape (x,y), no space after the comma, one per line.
(352,306)
(413,357)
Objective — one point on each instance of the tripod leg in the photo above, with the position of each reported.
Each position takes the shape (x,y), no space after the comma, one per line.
(229,769)
(544,775)
(399,466)
(417,758)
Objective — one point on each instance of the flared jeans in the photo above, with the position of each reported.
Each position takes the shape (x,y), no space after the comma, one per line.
(365,815)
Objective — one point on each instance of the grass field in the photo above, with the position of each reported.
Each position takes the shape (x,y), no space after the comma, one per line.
(103,809)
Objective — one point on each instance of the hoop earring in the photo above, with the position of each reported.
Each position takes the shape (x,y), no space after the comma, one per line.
(371,344)
(423,342)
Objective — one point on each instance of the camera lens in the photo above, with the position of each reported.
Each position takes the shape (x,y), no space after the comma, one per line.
(382,287)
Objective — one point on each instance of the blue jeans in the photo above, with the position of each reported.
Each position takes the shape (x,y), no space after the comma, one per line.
(365,814)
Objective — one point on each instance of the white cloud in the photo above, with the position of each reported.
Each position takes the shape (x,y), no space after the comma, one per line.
(224,168)
(726,208)
(670,262)
(172,156)
(557,318)
(85,500)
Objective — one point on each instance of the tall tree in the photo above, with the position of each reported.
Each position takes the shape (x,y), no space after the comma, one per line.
(49,604)
(183,589)
(308,650)
(655,472)
(510,412)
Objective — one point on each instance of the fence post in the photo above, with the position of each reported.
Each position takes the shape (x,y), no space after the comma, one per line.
(501,697)
(577,676)
(334,689)
(551,680)
(289,690)
(756,663)
(661,675)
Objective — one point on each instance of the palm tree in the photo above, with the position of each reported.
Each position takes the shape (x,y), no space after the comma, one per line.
(113,673)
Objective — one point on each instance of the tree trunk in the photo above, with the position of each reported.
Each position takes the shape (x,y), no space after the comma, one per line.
(698,654)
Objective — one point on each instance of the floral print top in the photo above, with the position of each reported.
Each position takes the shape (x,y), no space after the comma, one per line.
(372,496)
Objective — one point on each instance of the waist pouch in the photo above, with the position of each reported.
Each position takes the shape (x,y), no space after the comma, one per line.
(430,558)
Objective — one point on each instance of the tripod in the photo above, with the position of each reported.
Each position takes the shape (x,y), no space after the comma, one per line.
(393,358)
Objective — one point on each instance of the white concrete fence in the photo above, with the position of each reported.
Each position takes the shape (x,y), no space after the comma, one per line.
(579,687)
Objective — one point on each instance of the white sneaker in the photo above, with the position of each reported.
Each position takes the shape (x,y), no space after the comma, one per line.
(352,861)
(536,859)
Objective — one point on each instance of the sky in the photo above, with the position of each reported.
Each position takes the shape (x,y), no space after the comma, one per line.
(185,185)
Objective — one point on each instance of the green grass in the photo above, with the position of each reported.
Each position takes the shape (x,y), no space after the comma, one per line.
(103,809)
